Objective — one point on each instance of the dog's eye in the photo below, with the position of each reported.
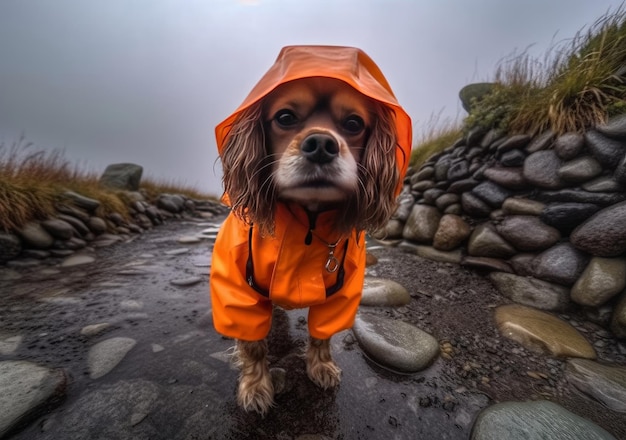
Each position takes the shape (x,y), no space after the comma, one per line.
(286,118)
(353,124)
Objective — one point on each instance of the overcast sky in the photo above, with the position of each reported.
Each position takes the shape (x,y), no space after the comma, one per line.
(146,81)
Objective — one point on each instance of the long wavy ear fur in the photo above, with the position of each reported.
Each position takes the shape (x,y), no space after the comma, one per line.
(247,168)
(375,201)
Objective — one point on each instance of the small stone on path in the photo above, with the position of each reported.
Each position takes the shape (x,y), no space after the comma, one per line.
(189,240)
(106,355)
(381,292)
(179,251)
(182,282)
(395,344)
(94,329)
(26,388)
(605,383)
(75,260)
(542,332)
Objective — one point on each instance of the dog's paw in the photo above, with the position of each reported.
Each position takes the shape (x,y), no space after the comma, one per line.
(256,394)
(324,374)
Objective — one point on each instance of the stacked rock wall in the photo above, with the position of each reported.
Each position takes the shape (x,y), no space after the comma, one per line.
(545,215)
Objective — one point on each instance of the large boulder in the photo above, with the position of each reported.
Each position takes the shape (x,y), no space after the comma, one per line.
(474,93)
(124,176)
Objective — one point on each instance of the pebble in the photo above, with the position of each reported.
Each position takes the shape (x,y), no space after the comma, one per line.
(78,259)
(486,242)
(182,282)
(422,224)
(26,388)
(179,251)
(382,292)
(189,240)
(542,332)
(534,420)
(9,344)
(94,329)
(106,355)
(395,344)
(602,279)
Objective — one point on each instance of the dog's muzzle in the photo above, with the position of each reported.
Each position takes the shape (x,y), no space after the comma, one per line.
(319,148)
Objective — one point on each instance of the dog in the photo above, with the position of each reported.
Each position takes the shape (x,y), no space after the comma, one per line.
(312,159)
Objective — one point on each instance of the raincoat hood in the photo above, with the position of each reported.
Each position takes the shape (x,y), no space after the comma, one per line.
(347,64)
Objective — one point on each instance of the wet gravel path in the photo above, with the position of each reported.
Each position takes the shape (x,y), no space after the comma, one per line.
(176,381)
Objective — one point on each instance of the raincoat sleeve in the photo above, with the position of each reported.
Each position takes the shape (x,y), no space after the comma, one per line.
(238,311)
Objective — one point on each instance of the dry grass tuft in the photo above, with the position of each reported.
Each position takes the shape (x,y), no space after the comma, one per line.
(435,136)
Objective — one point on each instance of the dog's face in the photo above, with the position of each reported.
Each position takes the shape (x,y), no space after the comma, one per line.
(316,131)
(317,142)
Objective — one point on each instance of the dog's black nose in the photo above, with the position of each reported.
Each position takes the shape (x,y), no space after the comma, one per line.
(319,148)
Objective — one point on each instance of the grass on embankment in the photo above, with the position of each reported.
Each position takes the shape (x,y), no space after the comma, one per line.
(33,181)
(580,82)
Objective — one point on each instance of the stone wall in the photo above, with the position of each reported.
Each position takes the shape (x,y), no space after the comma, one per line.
(545,215)
(76,225)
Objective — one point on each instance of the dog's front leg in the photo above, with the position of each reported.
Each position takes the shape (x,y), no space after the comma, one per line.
(320,367)
(256,391)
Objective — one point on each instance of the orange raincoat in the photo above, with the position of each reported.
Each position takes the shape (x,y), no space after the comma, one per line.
(250,272)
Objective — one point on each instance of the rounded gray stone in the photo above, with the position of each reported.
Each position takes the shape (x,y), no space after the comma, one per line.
(422,224)
(26,389)
(604,233)
(541,169)
(531,291)
(382,292)
(534,420)
(528,233)
(606,150)
(580,170)
(561,264)
(602,279)
(35,236)
(569,145)
(508,177)
(106,355)
(486,242)
(395,344)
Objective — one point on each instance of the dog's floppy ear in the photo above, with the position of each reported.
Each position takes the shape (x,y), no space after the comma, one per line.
(247,170)
(378,173)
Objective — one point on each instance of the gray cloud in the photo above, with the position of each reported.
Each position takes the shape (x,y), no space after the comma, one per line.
(146,81)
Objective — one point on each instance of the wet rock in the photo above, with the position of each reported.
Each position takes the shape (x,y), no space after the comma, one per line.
(534,420)
(97,225)
(189,240)
(430,195)
(561,264)
(78,259)
(451,232)
(511,178)
(94,329)
(581,196)
(58,228)
(620,172)
(81,201)
(463,185)
(10,247)
(531,291)
(542,332)
(567,216)
(569,145)
(603,184)
(423,185)
(491,193)
(541,142)
(605,383)
(528,233)
(172,203)
(522,206)
(27,389)
(395,344)
(458,170)
(614,128)
(35,236)
(607,151)
(124,176)
(513,158)
(382,292)
(405,205)
(422,224)
(604,233)
(131,305)
(523,263)
(486,242)
(441,168)
(602,279)
(541,169)
(513,142)
(106,355)
(424,174)
(189,281)
(580,170)
(474,206)
(446,200)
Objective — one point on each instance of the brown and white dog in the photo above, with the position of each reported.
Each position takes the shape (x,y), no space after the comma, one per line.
(307,168)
